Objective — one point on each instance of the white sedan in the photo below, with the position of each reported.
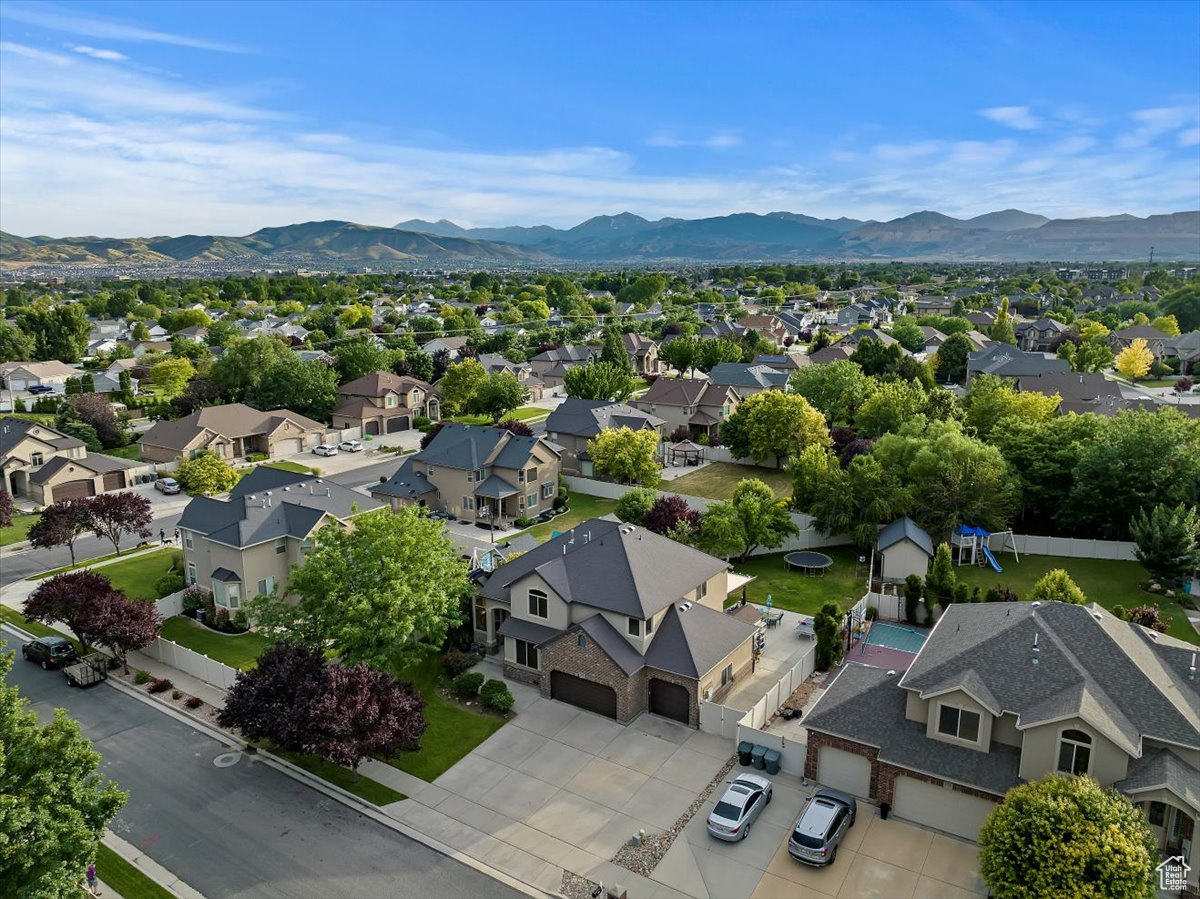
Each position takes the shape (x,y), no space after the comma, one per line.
(325,449)
(743,802)
(351,446)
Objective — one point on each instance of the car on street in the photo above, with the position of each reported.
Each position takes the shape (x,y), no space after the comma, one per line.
(167,485)
(49,652)
(325,449)
(821,826)
(351,446)
(743,802)
(40,389)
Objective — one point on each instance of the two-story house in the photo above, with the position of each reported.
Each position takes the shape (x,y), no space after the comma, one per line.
(699,406)
(1003,693)
(46,466)
(383,403)
(1039,336)
(617,620)
(748,378)
(552,365)
(1005,361)
(246,545)
(230,432)
(576,421)
(643,354)
(483,474)
(494,364)
(1124,337)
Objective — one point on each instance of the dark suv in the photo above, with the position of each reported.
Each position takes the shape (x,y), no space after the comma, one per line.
(51,652)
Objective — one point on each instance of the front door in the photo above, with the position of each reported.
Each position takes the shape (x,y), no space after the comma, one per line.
(499,616)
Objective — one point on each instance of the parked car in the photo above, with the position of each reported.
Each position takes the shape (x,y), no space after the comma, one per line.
(821,826)
(38,389)
(49,652)
(351,446)
(743,802)
(166,485)
(325,449)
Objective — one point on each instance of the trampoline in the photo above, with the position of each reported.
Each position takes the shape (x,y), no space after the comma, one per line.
(810,563)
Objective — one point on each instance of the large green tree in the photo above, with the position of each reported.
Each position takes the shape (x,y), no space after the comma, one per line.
(309,388)
(1168,541)
(15,344)
(855,501)
(990,399)
(500,394)
(598,381)
(774,424)
(59,332)
(627,456)
(460,385)
(613,353)
(753,518)
(837,390)
(241,369)
(890,406)
(1066,836)
(54,805)
(383,592)
(1184,304)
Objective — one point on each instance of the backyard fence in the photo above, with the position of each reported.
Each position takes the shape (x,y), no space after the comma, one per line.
(171,605)
(1072,548)
(732,723)
(197,665)
(889,605)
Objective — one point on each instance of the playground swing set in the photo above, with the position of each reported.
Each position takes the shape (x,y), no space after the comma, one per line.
(973,546)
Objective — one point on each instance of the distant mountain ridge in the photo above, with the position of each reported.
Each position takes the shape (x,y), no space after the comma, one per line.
(1006,235)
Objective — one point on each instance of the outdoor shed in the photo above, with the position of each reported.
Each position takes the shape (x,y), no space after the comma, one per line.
(903,549)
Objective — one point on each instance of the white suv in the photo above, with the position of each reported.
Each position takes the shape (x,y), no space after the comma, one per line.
(325,449)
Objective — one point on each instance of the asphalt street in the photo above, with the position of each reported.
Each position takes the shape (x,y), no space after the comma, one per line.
(233,827)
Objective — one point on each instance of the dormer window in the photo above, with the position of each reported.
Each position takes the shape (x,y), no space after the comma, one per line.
(958,723)
(390,401)
(635,627)
(1074,752)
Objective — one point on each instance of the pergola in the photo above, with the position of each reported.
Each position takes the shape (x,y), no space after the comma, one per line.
(690,452)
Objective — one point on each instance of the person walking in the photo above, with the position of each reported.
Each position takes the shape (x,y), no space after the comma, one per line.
(162,536)
(92,882)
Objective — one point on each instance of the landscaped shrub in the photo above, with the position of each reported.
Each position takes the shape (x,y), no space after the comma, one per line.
(168,584)
(468,684)
(193,702)
(422,423)
(1000,593)
(456,662)
(872,613)
(176,694)
(141,677)
(491,686)
(502,700)
(525,521)
(239,621)
(913,585)
(194,599)
(159,685)
(257,457)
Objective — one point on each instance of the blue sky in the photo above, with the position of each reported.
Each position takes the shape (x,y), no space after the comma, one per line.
(169,118)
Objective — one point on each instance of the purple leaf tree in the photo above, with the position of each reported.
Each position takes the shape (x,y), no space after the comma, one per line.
(124,625)
(6,508)
(670,511)
(74,598)
(368,712)
(61,524)
(275,700)
(116,514)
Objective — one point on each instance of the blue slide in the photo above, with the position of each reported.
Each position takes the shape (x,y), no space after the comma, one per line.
(987,554)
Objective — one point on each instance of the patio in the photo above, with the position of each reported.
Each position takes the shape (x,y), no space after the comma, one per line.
(782,650)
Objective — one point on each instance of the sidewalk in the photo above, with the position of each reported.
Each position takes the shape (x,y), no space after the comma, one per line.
(14,595)
(147,866)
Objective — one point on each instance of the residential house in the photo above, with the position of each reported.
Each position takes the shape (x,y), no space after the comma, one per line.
(1124,337)
(933,306)
(933,339)
(231,432)
(1005,693)
(784,362)
(452,345)
(316,356)
(551,366)
(46,466)
(734,331)
(643,354)
(1006,361)
(494,364)
(699,406)
(1078,391)
(1185,348)
(246,545)
(903,548)
(858,314)
(576,421)
(384,403)
(768,327)
(837,352)
(483,474)
(142,347)
(983,320)
(617,620)
(748,378)
(854,338)
(18,376)
(1039,336)
(198,333)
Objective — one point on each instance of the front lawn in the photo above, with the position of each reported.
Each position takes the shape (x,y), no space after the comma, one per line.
(718,480)
(582,507)
(125,878)
(293,466)
(453,730)
(524,413)
(18,531)
(362,787)
(795,591)
(12,616)
(136,576)
(1105,582)
(235,650)
(132,452)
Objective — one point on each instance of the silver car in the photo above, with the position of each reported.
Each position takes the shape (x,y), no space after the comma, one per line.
(821,826)
(743,802)
(351,446)
(166,485)
(325,449)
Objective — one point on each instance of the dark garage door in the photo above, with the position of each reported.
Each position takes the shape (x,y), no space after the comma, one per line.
(73,490)
(114,480)
(399,423)
(670,700)
(594,697)
(372,428)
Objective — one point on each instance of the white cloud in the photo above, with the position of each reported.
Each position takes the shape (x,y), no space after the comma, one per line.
(1018,117)
(1151,124)
(1189,138)
(99,53)
(722,140)
(43,16)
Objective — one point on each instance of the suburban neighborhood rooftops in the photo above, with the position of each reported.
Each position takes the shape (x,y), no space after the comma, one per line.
(587,418)
(98,464)
(14,430)
(406,483)
(1162,768)
(468,448)
(230,420)
(377,383)
(753,376)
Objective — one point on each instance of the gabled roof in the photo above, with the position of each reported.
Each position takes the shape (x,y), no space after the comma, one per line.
(611,566)
(1146,332)
(1159,769)
(684,392)
(587,418)
(1005,360)
(230,420)
(97,464)
(470,447)
(377,383)
(1072,387)
(14,430)
(693,638)
(568,354)
(406,483)
(904,529)
(744,374)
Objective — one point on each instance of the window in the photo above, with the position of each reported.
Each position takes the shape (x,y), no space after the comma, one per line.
(635,627)
(306,546)
(191,573)
(1156,813)
(537,604)
(527,654)
(521,477)
(390,401)
(1074,752)
(266,586)
(234,593)
(958,723)
(280,545)
(187,539)
(547,491)
(36,459)
(468,503)
(219,594)
(480,614)
(726,675)
(531,500)
(429,470)
(521,503)
(702,591)
(479,473)
(531,474)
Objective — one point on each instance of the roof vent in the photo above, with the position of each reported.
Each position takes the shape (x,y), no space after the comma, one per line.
(683,607)
(1192,668)
(1035,603)
(1036,651)
(890,674)
(1097,616)
(628,529)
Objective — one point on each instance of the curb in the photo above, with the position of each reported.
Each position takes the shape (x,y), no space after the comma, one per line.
(148,866)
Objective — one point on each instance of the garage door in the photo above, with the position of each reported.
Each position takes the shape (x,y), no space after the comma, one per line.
(844,771)
(670,700)
(373,428)
(287,447)
(114,480)
(587,695)
(73,490)
(940,807)
(399,423)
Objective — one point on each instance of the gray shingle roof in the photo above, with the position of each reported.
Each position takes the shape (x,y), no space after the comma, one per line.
(901,529)
(616,646)
(468,447)
(693,641)
(1163,768)
(407,483)
(529,631)
(99,464)
(495,487)
(14,430)
(743,374)
(587,418)
(1004,360)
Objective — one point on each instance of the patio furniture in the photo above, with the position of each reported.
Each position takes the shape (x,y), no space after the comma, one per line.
(773,620)
(811,563)
(804,628)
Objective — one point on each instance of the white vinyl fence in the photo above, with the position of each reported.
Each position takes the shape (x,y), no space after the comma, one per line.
(171,605)
(197,665)
(889,605)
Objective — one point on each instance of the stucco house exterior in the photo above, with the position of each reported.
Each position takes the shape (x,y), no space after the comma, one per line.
(483,474)
(576,421)
(230,432)
(699,406)
(17,376)
(45,465)
(903,548)
(1003,693)
(247,544)
(643,353)
(383,403)
(1124,338)
(551,366)
(617,620)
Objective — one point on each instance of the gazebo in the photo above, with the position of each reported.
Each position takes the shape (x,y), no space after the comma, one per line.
(691,453)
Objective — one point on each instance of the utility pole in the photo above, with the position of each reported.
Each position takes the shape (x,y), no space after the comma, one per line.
(1152,255)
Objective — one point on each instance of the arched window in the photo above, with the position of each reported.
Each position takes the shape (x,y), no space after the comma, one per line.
(1074,752)
(537,604)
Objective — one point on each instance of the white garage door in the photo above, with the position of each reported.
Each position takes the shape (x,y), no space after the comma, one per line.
(844,771)
(287,447)
(940,807)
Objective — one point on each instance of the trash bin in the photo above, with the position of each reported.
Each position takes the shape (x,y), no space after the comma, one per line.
(757,757)
(771,760)
(884,809)
(744,749)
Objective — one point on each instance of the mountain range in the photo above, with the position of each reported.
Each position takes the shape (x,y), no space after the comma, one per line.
(1006,235)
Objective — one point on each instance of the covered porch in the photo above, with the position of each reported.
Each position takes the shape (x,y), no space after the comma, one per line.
(497,503)
(1167,790)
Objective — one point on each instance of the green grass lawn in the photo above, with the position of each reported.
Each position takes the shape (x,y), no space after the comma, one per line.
(124,878)
(363,787)
(1156,382)
(452,732)
(795,591)
(293,466)
(719,479)
(135,576)
(1105,582)
(582,507)
(525,413)
(132,452)
(235,650)
(18,531)
(43,418)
